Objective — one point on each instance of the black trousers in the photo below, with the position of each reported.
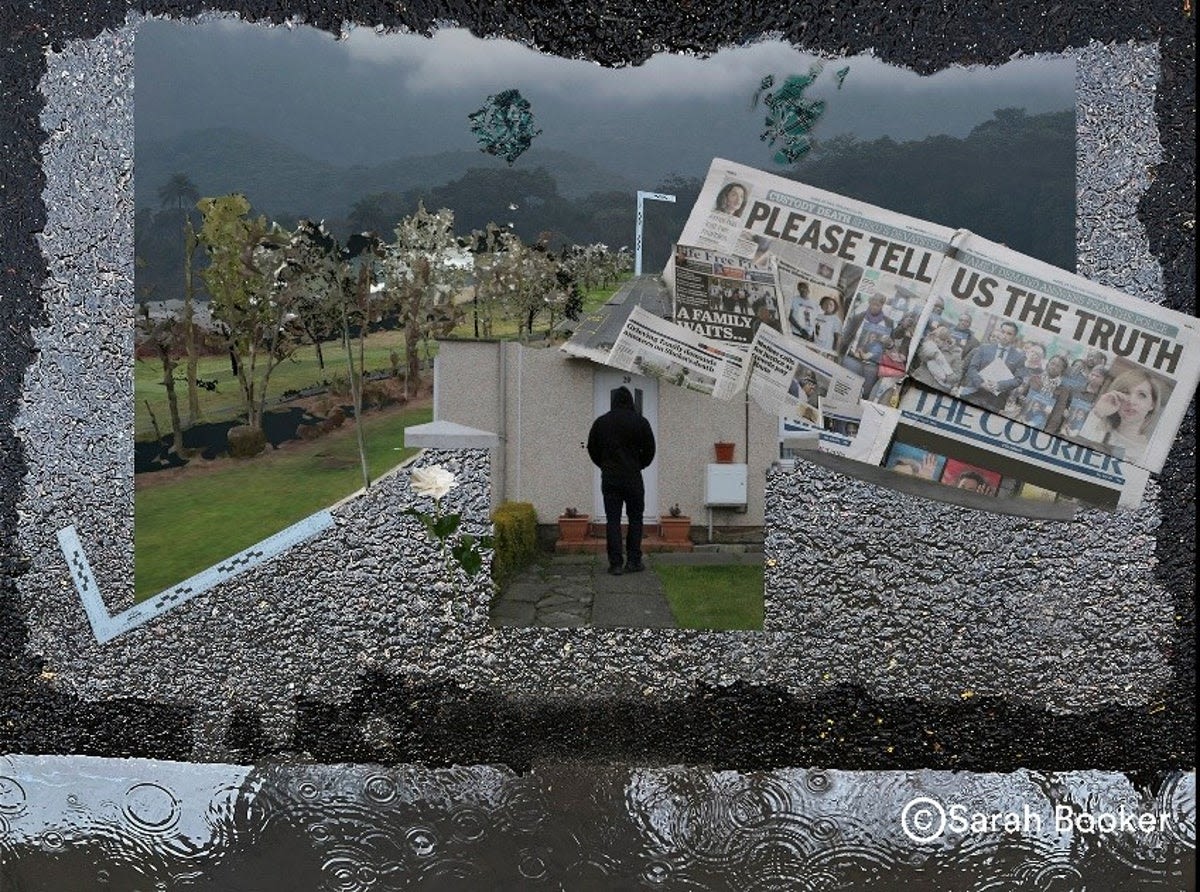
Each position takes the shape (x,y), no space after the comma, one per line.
(632,495)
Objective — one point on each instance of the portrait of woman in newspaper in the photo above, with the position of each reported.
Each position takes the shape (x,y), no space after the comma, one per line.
(731,199)
(1125,414)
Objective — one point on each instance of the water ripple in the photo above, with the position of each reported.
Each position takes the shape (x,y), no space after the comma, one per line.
(369,828)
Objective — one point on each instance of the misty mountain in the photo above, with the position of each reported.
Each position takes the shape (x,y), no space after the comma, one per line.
(1012,179)
(282,182)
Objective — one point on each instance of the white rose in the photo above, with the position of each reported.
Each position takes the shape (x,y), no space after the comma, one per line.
(434,481)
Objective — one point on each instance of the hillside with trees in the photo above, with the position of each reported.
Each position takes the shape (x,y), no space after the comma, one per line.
(1012,179)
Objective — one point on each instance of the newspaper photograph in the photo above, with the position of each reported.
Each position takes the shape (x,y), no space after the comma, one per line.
(1036,344)
(822,247)
(940,438)
(723,297)
(658,348)
(789,377)
(879,333)
(847,430)
(814,284)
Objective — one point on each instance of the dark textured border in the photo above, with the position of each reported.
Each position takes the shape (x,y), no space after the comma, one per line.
(738,726)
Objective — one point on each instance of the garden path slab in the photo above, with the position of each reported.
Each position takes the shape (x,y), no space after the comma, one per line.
(575,590)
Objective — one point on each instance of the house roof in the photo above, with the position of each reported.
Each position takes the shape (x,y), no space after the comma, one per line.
(597,331)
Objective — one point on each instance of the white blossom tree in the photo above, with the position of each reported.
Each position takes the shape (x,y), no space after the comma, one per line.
(422,277)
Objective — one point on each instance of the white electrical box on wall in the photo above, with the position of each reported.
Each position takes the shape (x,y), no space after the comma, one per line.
(725,484)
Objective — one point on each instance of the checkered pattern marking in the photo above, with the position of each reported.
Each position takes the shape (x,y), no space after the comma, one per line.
(106,626)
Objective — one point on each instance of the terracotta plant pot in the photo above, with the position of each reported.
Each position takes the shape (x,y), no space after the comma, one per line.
(675,530)
(724,453)
(573,529)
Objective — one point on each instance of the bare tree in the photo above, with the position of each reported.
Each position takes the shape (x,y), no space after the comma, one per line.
(164,334)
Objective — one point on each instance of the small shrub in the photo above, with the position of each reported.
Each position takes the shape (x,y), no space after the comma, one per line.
(309,431)
(375,396)
(515,524)
(245,441)
(339,386)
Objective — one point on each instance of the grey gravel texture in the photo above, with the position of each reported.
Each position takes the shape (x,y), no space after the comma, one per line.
(902,594)
(1117,146)
(910,599)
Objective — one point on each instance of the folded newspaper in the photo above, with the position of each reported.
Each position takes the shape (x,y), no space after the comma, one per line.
(912,347)
(658,348)
(1051,328)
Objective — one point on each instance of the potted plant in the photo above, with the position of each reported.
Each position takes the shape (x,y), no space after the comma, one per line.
(676,527)
(724,452)
(573,526)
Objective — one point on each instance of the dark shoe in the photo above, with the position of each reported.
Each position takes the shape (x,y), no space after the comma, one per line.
(615,570)
(635,568)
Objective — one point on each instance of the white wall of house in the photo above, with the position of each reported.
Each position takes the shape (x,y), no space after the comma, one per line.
(689,424)
(547,410)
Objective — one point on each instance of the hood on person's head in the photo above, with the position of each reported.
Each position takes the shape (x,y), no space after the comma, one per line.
(622,398)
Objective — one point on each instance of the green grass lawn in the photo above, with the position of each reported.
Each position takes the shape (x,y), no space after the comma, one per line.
(594,298)
(719,597)
(299,371)
(189,523)
(506,329)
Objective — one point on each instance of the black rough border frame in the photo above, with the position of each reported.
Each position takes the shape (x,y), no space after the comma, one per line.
(740,727)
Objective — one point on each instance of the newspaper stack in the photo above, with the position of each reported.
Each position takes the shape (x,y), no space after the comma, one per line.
(927,351)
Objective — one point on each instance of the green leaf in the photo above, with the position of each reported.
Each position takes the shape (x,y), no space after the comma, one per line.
(426,520)
(444,527)
(471,561)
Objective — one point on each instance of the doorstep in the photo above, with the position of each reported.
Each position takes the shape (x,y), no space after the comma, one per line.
(595,543)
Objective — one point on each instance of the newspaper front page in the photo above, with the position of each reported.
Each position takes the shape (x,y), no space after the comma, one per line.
(969,364)
(1058,353)
(658,348)
(936,437)
(852,278)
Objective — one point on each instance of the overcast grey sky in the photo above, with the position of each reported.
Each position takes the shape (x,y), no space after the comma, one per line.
(371,97)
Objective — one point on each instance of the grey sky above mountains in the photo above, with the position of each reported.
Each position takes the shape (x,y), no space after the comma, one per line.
(369,98)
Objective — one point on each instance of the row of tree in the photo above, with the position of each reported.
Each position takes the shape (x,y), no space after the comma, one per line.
(1012,179)
(272,289)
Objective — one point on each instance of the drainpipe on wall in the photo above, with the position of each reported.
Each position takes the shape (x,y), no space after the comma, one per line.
(746,404)
(502,433)
(520,416)
(742,509)
(436,390)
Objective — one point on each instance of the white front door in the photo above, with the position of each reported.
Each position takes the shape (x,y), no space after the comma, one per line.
(645,399)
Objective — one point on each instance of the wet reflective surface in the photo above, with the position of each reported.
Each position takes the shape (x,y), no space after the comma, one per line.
(81,823)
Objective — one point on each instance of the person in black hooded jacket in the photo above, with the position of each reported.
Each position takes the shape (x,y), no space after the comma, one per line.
(621,444)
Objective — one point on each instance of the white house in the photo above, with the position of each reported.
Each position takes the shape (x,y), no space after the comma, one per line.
(539,403)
